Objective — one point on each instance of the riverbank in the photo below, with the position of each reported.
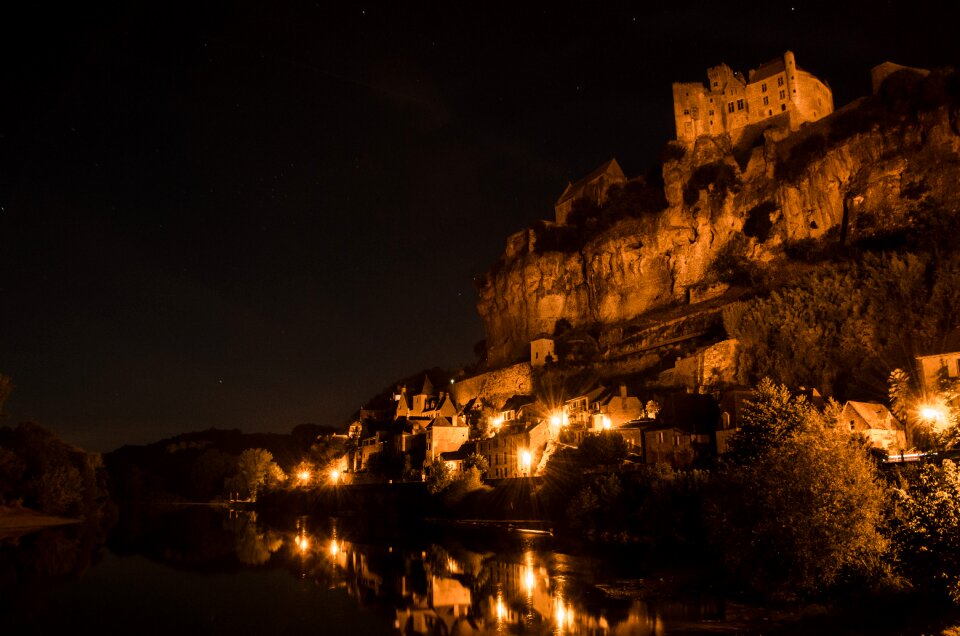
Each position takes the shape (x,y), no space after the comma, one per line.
(16,521)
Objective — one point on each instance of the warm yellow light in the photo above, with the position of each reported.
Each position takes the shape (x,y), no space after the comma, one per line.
(529,580)
(334,548)
(525,460)
(555,420)
(303,543)
(334,475)
(930,413)
(606,423)
(501,610)
(304,475)
(495,422)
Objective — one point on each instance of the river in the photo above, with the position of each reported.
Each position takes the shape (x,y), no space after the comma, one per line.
(204,570)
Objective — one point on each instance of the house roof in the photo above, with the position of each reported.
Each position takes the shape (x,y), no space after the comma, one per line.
(427,386)
(573,190)
(517,402)
(466,450)
(440,421)
(875,415)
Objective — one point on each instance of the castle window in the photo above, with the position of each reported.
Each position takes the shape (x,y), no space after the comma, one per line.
(779,81)
(715,84)
(769,113)
(783,107)
(739,104)
(686,111)
(763,88)
(766,100)
(730,107)
(783,94)
(711,113)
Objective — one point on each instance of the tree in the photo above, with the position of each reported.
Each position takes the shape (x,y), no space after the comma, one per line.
(803,518)
(255,470)
(804,514)
(439,477)
(926,528)
(768,419)
(478,461)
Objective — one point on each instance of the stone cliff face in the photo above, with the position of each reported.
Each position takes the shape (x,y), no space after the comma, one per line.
(818,183)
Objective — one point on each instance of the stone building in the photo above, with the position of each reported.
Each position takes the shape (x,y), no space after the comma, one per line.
(593,187)
(778,92)
(875,422)
(516,450)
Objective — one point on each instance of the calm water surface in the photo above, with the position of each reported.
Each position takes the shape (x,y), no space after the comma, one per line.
(206,571)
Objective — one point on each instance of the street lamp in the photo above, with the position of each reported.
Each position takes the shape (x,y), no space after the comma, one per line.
(526,460)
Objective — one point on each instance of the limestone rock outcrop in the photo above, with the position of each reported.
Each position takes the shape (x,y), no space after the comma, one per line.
(823,182)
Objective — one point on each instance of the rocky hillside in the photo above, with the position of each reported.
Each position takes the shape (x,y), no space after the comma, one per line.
(860,172)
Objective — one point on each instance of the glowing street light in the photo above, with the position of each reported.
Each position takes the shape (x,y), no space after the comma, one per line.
(334,476)
(526,460)
(303,476)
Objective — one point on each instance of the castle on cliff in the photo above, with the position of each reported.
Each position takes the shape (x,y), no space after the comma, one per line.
(778,93)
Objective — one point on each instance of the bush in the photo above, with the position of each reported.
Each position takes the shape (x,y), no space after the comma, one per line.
(719,175)
(802,516)
(926,529)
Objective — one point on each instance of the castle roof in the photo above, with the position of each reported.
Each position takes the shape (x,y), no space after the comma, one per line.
(768,69)
(574,190)
(427,386)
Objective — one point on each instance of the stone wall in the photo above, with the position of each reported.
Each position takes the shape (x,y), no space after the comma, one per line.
(495,387)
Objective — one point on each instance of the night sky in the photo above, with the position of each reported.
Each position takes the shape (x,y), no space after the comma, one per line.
(254,215)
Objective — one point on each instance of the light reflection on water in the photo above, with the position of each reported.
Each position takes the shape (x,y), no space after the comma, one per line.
(463,591)
(501,584)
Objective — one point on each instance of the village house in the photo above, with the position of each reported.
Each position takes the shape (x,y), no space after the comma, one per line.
(443,435)
(684,434)
(615,407)
(455,459)
(875,422)
(542,351)
(777,93)
(516,450)
(594,188)
(934,367)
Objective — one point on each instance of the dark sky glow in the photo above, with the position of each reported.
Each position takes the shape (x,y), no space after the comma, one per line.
(252,215)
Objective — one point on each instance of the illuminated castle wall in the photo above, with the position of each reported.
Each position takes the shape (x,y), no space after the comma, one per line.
(779,92)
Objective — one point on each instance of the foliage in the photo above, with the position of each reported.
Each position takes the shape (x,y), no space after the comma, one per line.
(463,483)
(478,461)
(731,264)
(256,470)
(608,448)
(926,528)
(804,516)
(439,476)
(842,327)
(40,471)
(772,416)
